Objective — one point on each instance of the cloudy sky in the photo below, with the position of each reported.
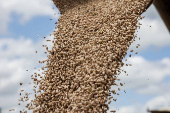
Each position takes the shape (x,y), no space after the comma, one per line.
(146,85)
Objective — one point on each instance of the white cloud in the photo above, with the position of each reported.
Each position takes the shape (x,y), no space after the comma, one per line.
(11,102)
(127,109)
(161,102)
(141,71)
(13,70)
(27,9)
(157,35)
(151,13)
(155,89)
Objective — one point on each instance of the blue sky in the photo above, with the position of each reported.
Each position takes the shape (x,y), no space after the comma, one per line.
(148,79)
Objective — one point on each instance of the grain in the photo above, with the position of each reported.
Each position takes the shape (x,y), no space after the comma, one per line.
(12,110)
(92,39)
